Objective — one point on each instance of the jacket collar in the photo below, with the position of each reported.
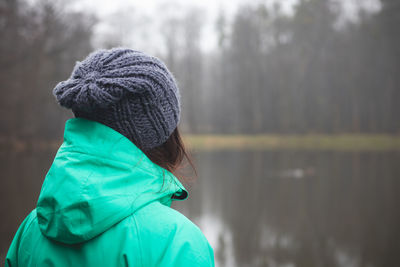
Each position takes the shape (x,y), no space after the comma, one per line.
(92,137)
(98,178)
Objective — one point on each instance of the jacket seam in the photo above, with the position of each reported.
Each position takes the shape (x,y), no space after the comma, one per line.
(34,217)
(136,165)
(90,153)
(142,159)
(139,240)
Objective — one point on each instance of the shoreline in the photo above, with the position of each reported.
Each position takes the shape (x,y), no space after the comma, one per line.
(210,142)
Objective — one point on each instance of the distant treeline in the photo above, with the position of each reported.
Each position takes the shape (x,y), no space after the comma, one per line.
(271,73)
(296,74)
(39,46)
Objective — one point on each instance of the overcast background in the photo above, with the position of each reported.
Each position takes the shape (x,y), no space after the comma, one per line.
(290,109)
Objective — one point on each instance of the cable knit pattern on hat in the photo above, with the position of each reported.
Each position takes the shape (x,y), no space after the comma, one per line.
(127,90)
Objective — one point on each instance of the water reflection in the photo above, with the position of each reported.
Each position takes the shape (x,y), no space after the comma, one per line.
(291,208)
(265,208)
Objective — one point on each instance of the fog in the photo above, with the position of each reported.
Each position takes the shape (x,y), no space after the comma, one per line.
(324,67)
(280,68)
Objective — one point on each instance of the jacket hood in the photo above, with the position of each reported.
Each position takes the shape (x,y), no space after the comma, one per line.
(98,178)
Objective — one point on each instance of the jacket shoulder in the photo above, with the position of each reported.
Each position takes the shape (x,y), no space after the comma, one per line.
(169,238)
(12,257)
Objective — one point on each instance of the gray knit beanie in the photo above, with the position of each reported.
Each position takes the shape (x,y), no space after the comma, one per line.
(127,90)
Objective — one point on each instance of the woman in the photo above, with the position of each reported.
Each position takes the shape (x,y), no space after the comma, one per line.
(106,199)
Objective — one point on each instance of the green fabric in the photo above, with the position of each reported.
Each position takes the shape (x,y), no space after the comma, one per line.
(104,203)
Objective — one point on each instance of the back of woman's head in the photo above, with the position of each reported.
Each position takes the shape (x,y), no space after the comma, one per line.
(133,93)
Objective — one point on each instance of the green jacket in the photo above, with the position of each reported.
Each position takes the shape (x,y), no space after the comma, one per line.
(104,203)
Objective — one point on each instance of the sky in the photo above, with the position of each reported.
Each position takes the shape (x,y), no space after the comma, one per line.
(105,9)
(136,20)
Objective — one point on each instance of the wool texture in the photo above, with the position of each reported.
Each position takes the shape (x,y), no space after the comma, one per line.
(127,90)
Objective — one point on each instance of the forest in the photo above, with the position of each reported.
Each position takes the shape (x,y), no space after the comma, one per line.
(272,72)
(297,113)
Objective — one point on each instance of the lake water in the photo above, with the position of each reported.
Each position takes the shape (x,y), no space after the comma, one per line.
(264,208)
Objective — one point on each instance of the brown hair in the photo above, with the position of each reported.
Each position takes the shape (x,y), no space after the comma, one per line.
(171,154)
